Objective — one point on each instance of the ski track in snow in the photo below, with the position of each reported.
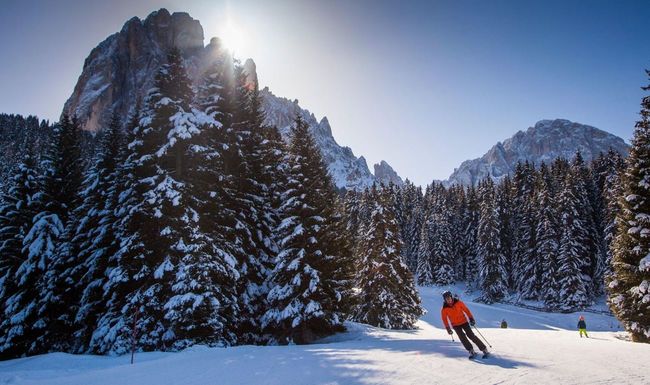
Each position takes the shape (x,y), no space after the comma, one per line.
(538,348)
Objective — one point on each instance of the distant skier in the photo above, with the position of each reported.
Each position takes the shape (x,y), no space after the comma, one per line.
(454,310)
(582,326)
(504,324)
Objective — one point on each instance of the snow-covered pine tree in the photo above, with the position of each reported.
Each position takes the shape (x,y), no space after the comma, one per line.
(388,297)
(246,195)
(338,248)
(526,266)
(303,302)
(352,206)
(456,217)
(589,233)
(16,216)
(504,196)
(95,240)
(411,197)
(115,322)
(572,290)
(14,131)
(161,245)
(607,170)
(492,271)
(547,237)
(214,192)
(188,274)
(359,218)
(398,206)
(63,161)
(629,287)
(425,269)
(58,300)
(470,239)
(32,309)
(442,250)
(559,170)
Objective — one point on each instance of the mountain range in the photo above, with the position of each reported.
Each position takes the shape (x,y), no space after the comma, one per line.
(545,141)
(119,71)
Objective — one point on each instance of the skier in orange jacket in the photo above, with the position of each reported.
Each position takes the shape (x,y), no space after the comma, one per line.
(454,310)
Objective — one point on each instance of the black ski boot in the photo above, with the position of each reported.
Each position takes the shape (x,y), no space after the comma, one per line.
(472,354)
(486,354)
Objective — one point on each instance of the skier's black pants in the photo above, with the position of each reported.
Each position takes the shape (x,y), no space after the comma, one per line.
(465,331)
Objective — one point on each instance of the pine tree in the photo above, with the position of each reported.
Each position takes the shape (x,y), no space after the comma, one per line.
(492,272)
(425,268)
(547,238)
(57,300)
(608,169)
(303,302)
(246,192)
(161,247)
(589,233)
(470,239)
(441,251)
(16,215)
(340,246)
(352,206)
(96,239)
(629,287)
(215,190)
(456,219)
(388,297)
(266,151)
(572,290)
(508,213)
(526,266)
(412,203)
(115,322)
(37,310)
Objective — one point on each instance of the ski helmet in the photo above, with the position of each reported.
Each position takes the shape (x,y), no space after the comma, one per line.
(446,294)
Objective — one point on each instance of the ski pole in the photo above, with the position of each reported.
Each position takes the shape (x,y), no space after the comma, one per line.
(479,332)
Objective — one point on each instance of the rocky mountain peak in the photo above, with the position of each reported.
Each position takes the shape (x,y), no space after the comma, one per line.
(178,30)
(544,142)
(119,72)
(324,125)
(250,69)
(385,174)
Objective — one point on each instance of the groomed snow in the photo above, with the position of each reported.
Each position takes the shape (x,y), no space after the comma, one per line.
(537,348)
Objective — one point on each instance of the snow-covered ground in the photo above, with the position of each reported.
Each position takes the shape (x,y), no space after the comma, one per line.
(537,348)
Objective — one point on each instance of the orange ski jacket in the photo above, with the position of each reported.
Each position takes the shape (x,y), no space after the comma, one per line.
(455,313)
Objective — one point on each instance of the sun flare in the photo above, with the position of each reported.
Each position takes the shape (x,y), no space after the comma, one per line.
(233,36)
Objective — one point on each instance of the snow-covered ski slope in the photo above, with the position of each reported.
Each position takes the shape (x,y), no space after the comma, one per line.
(538,348)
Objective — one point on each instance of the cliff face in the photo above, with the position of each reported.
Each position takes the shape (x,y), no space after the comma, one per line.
(119,72)
(385,174)
(544,142)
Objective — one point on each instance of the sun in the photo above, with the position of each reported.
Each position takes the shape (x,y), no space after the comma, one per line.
(233,36)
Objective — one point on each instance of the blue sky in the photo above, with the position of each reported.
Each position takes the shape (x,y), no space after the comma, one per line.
(422,85)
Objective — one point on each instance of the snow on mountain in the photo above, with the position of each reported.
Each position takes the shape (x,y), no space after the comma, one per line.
(347,170)
(544,142)
(119,71)
(537,348)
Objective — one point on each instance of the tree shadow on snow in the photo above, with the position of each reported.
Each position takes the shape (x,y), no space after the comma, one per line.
(447,349)
(424,351)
